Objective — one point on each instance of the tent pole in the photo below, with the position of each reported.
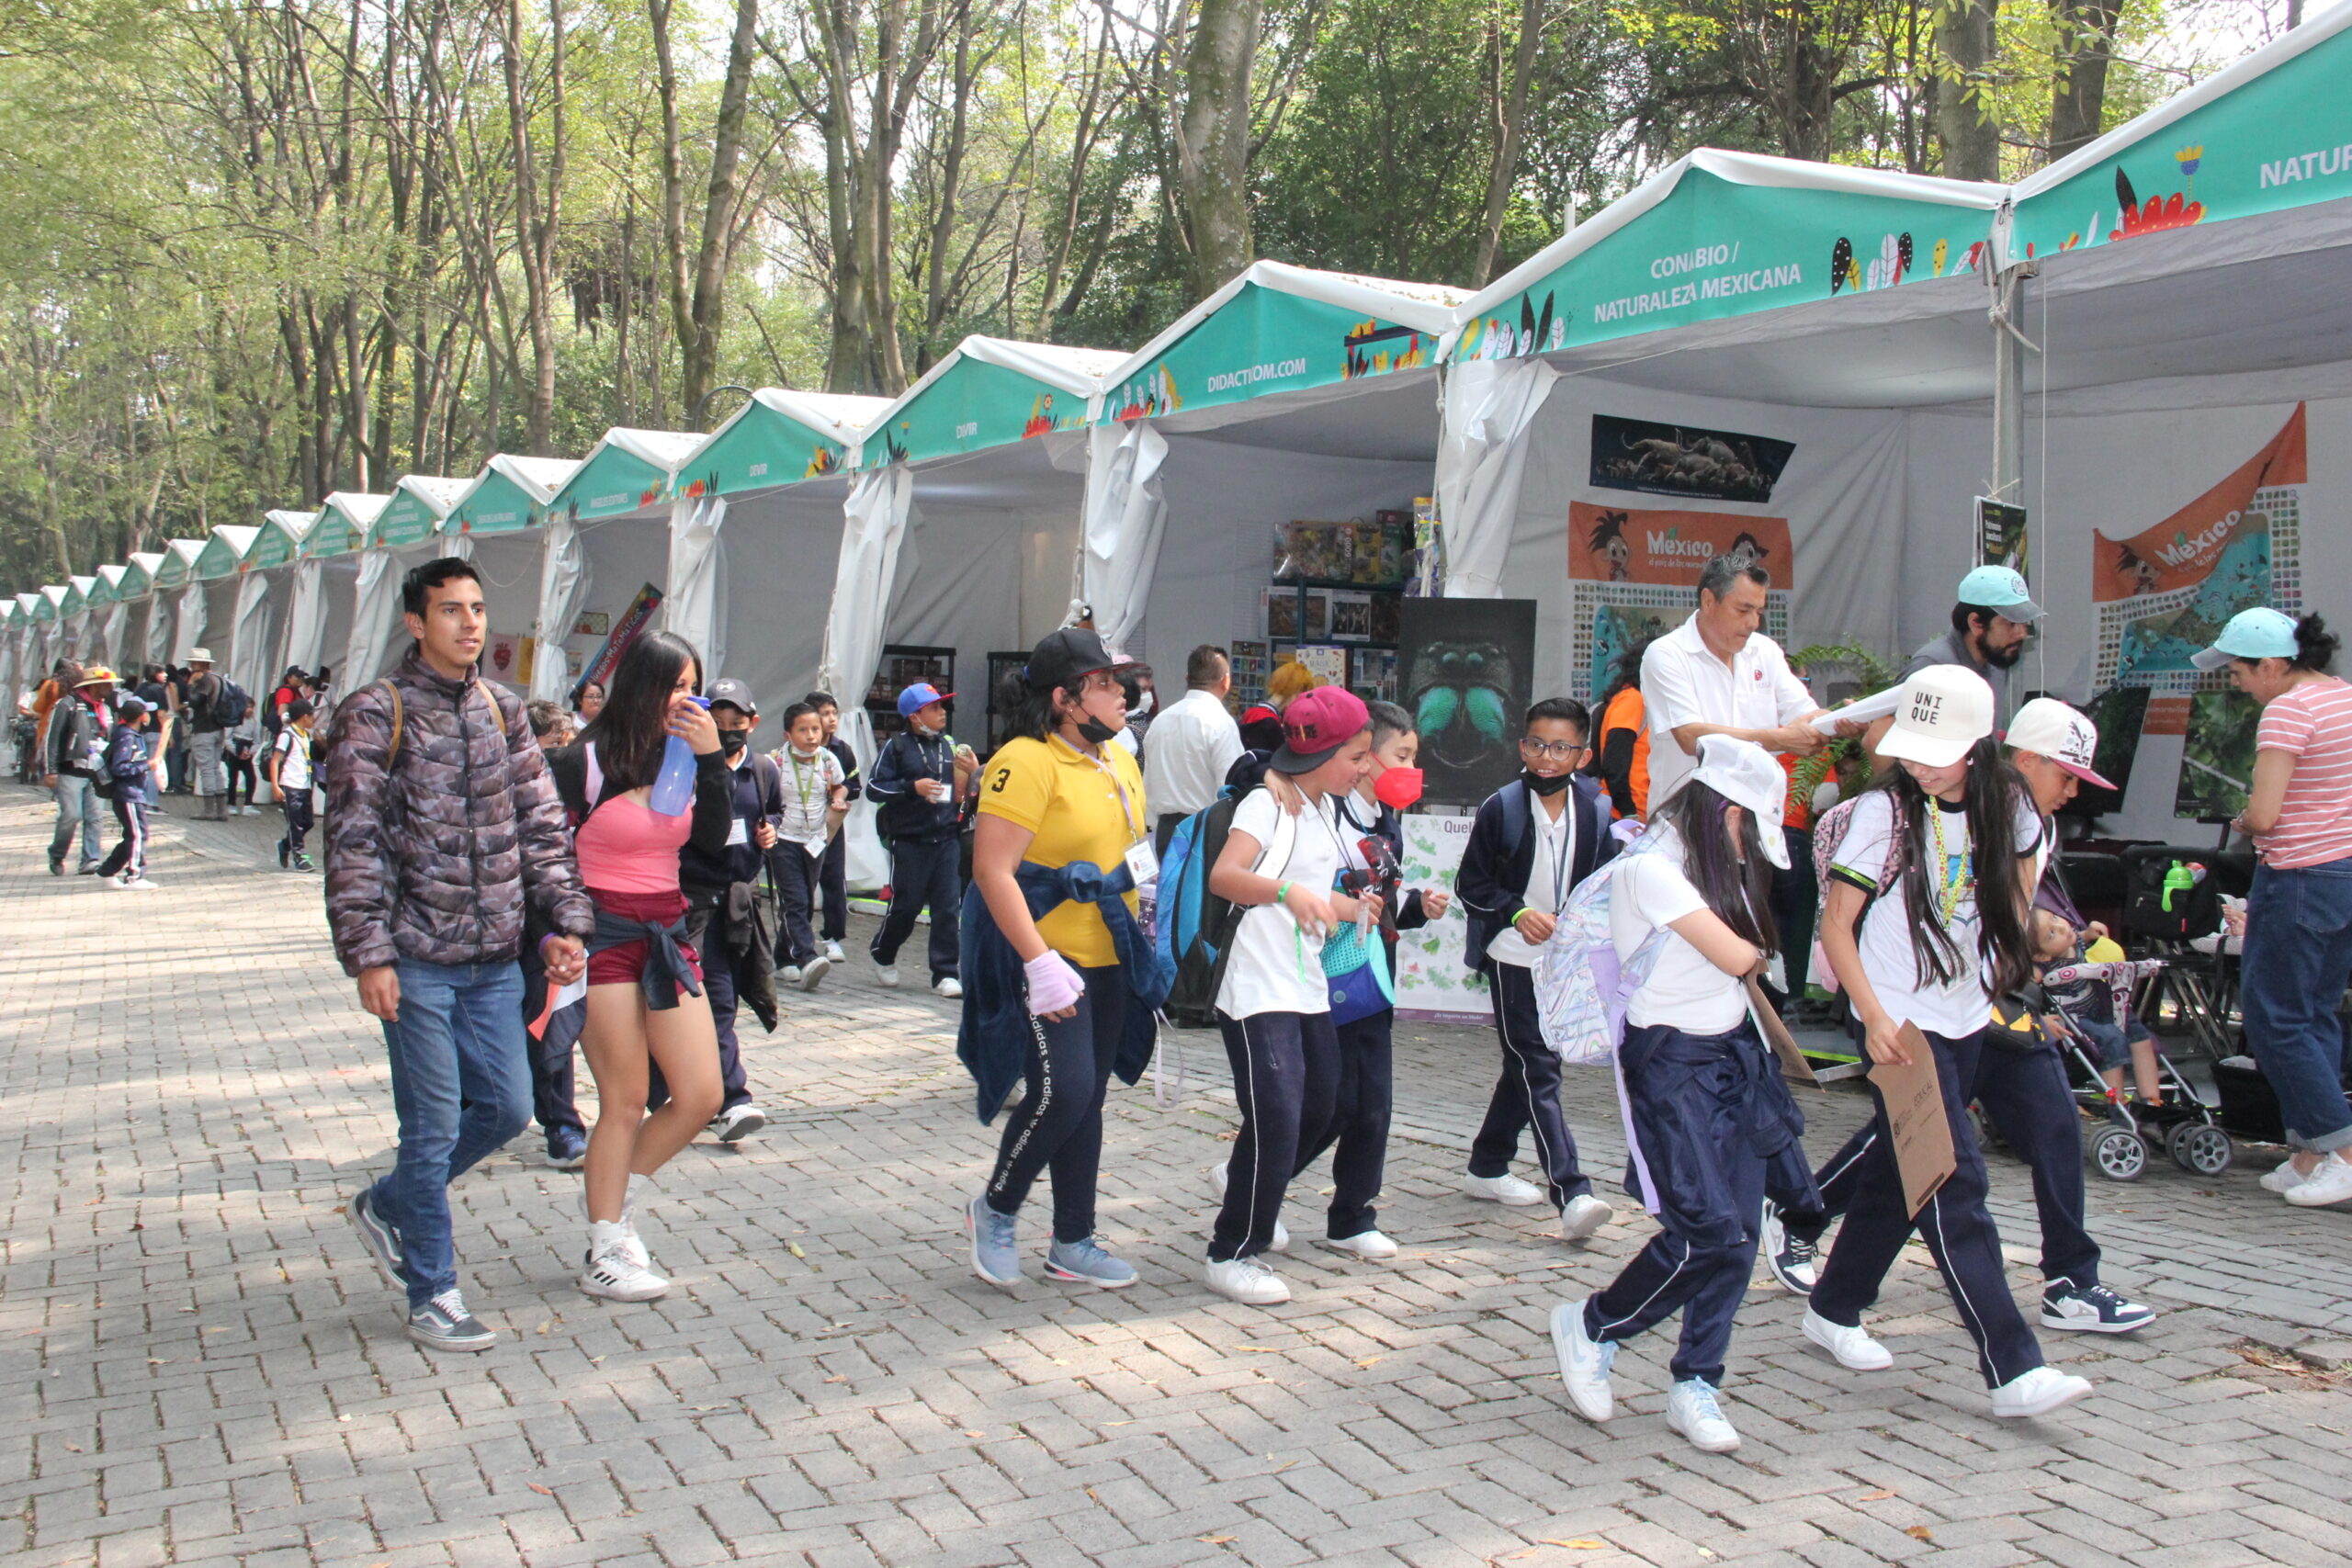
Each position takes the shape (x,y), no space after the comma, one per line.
(2009,348)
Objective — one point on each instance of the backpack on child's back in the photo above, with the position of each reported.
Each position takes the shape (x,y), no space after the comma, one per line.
(1192,928)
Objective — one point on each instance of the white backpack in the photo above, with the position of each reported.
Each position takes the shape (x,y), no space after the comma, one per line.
(1581,989)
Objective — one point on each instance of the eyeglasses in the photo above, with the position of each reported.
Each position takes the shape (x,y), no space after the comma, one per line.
(1556,751)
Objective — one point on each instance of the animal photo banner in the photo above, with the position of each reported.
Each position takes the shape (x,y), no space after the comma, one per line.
(1466,669)
(2167,590)
(1673,460)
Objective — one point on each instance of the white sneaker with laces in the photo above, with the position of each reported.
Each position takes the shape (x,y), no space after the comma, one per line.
(1584,1363)
(789,974)
(139,884)
(1217,1179)
(950,987)
(635,1244)
(1505,1188)
(1583,1215)
(1247,1281)
(2330,1181)
(887,973)
(1370,1246)
(614,1273)
(2286,1178)
(2037,1393)
(1692,1410)
(833,953)
(1854,1347)
(812,972)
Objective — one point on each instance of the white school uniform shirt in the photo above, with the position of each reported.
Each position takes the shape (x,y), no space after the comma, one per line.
(1685,990)
(1274,965)
(809,785)
(1684,682)
(293,760)
(1547,875)
(1964,1004)
(1193,742)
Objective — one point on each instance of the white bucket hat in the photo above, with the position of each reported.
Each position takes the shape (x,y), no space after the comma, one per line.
(1945,709)
(1745,773)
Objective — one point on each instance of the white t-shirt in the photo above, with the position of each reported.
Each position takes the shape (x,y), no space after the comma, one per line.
(1193,742)
(809,785)
(1547,875)
(1964,1005)
(1685,990)
(293,760)
(1274,965)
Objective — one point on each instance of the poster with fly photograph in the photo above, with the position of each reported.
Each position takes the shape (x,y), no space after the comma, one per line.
(1465,669)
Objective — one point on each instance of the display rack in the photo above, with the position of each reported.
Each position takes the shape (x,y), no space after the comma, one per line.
(1337,592)
(902,665)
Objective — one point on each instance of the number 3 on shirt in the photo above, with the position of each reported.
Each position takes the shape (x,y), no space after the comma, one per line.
(1004,777)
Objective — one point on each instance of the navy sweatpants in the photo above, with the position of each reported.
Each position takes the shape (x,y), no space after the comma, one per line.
(1527,1094)
(2026,1096)
(1286,1069)
(1959,1232)
(925,872)
(1362,1093)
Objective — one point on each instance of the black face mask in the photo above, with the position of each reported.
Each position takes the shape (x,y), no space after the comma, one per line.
(732,742)
(1552,786)
(1095,732)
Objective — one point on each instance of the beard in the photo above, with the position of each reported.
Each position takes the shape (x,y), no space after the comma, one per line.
(2005,658)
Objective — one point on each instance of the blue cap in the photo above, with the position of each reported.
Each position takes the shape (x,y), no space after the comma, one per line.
(2261,633)
(2000,588)
(921,694)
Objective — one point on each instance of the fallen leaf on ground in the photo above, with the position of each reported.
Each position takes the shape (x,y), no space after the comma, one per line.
(1878,1496)
(1577,1545)
(1919,1532)
(795,1247)
(542,1491)
(971,1434)
(1259,1349)
(1367,1360)
(1215,1540)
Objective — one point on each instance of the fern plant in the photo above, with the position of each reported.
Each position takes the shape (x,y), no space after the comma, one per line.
(1845,758)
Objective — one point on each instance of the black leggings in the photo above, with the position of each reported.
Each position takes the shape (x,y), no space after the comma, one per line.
(1285,1073)
(1057,1126)
(240,768)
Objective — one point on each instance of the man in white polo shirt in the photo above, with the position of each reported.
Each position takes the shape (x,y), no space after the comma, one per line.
(1717,674)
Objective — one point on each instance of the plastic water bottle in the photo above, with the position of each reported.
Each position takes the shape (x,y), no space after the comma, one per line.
(673,786)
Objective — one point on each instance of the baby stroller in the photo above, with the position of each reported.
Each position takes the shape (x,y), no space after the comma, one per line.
(2118,1144)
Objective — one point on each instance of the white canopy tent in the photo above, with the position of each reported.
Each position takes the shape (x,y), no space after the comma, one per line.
(607,539)
(326,577)
(405,532)
(146,605)
(183,629)
(117,610)
(501,516)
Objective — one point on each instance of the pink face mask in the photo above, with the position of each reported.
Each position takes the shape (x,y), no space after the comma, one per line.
(1399,788)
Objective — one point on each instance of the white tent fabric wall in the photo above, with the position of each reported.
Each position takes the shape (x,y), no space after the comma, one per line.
(376,598)
(782,547)
(220,620)
(252,647)
(620,556)
(188,623)
(694,607)
(1126,508)
(563,584)
(111,639)
(306,614)
(874,525)
(161,636)
(511,566)
(1481,463)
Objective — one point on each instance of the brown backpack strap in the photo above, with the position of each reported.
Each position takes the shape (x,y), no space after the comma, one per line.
(393,755)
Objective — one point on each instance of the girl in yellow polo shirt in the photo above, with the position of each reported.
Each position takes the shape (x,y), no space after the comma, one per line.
(1061,841)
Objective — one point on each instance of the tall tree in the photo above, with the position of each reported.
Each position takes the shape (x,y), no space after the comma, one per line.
(1212,139)
(1967,122)
(2087,48)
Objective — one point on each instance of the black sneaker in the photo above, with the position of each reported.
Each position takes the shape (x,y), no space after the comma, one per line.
(383,1243)
(57,865)
(444,1323)
(283,854)
(2091,1309)
(567,1148)
(1794,1261)
(302,863)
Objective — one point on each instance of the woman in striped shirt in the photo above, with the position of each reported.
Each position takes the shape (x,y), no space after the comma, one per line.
(2299,917)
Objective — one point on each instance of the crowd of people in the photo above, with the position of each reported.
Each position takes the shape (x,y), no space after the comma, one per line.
(506,881)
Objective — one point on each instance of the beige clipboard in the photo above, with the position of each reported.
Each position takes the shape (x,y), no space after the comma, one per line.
(1776,1035)
(1915,1114)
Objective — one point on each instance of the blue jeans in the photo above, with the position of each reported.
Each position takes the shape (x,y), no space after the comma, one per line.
(462,1085)
(78,805)
(2298,959)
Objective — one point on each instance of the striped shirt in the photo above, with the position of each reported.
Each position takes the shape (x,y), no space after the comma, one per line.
(2312,724)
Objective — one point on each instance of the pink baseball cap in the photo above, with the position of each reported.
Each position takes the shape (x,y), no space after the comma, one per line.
(1316,725)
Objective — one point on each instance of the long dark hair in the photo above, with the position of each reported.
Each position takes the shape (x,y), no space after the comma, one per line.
(1032,714)
(634,726)
(1993,791)
(1735,879)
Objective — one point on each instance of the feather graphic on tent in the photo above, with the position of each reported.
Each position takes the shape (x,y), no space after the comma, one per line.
(1543,327)
(1943,254)
(1526,325)
(1841,261)
(2124,191)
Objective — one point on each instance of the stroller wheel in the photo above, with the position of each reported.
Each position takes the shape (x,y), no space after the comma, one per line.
(1986,1139)
(2120,1156)
(2200,1147)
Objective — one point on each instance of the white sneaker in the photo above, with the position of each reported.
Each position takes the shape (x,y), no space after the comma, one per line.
(1692,1410)
(812,972)
(1217,1181)
(790,975)
(887,973)
(2286,1178)
(1370,1246)
(252,810)
(1583,1215)
(1247,1281)
(1584,1363)
(632,1242)
(1854,1347)
(617,1276)
(950,987)
(2330,1181)
(1282,1238)
(1505,1188)
(740,1122)
(2037,1393)
(139,884)
(833,953)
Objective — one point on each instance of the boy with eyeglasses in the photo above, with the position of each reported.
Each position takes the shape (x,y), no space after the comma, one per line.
(1532,842)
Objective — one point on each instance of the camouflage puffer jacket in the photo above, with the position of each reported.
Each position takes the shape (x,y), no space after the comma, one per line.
(432,857)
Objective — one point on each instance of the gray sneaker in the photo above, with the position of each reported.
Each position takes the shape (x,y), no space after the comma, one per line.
(995,1254)
(444,1323)
(383,1243)
(1085,1263)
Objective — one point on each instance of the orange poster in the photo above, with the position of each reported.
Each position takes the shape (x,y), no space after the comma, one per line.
(2181,551)
(1628,543)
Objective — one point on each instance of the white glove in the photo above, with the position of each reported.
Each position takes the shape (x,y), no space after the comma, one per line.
(1053,984)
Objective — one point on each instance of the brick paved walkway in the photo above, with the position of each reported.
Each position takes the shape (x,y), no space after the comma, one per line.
(200,1366)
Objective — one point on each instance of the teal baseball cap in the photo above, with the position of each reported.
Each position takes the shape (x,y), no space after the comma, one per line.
(2259,633)
(2000,589)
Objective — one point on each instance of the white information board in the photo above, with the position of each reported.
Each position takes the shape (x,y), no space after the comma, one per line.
(1432,982)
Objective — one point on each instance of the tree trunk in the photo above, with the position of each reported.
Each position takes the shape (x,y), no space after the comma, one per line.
(1213,141)
(534,220)
(1511,122)
(698,281)
(2087,48)
(1966,122)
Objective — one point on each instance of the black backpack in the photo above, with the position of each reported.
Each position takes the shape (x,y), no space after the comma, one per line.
(233,703)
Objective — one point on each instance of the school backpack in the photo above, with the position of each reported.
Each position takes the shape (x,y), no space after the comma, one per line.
(1582,989)
(1829,832)
(233,703)
(1192,928)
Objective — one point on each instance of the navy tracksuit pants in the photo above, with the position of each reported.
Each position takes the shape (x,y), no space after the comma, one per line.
(924,871)
(1714,1127)
(1285,1071)
(1959,1232)
(1056,1129)
(2027,1097)
(1362,1094)
(1527,1095)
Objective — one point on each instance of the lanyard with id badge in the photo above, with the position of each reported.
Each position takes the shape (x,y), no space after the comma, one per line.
(1142,860)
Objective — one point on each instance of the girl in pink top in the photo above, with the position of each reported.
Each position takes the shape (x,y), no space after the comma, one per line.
(2299,915)
(646,1006)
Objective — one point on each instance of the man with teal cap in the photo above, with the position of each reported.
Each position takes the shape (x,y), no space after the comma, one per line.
(1991,619)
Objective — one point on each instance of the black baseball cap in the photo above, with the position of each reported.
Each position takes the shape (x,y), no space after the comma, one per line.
(734,694)
(1067,658)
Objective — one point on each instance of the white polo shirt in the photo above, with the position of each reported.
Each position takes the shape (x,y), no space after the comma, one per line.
(1684,682)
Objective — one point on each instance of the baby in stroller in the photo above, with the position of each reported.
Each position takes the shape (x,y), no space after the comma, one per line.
(2093,1001)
